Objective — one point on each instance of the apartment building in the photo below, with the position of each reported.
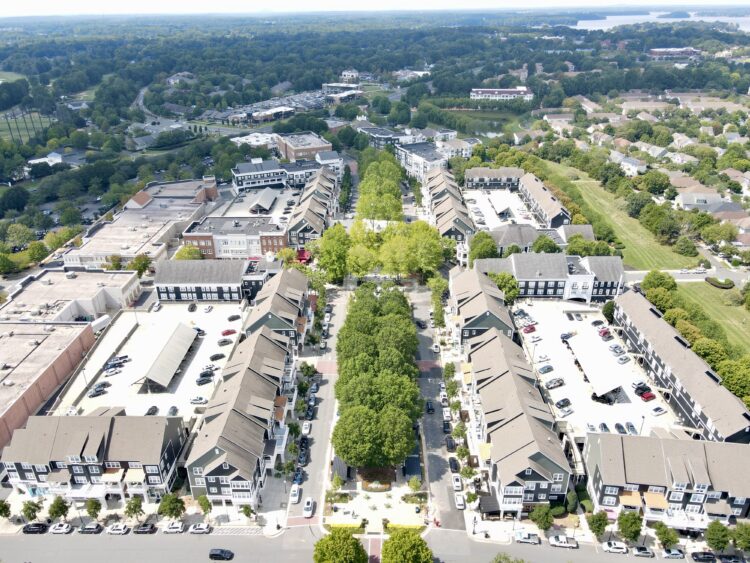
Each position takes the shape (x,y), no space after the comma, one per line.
(684,483)
(542,203)
(380,137)
(332,160)
(244,430)
(299,172)
(484,178)
(301,146)
(451,148)
(419,159)
(521,460)
(706,409)
(199,280)
(235,237)
(476,306)
(258,174)
(314,213)
(448,211)
(350,76)
(103,455)
(502,94)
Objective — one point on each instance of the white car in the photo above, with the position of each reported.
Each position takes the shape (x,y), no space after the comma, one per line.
(436,348)
(295,494)
(447,415)
(442,387)
(658,411)
(157,307)
(460,501)
(111,372)
(198,401)
(199,529)
(566,411)
(308,508)
(174,528)
(457,483)
(118,529)
(615,547)
(327,318)
(306,428)
(672,553)
(526,537)
(208,308)
(61,528)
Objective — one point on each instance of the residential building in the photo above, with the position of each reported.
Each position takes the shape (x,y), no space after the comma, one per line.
(685,484)
(339,87)
(314,213)
(484,178)
(380,137)
(300,172)
(350,76)
(102,456)
(521,235)
(199,280)
(181,78)
(244,430)
(681,158)
(498,94)
(545,207)
(647,105)
(476,306)
(653,151)
(448,211)
(272,114)
(258,174)
(680,141)
(337,98)
(332,160)
(149,220)
(522,137)
(742,178)
(600,139)
(587,105)
(697,196)
(706,409)
(418,159)
(455,147)
(236,237)
(257,273)
(629,165)
(667,53)
(301,146)
(521,461)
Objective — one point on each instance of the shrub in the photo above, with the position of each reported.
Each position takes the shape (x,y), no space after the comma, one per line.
(721,284)
(571,501)
(558,511)
(588,506)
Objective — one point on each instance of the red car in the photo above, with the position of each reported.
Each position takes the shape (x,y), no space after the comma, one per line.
(603,331)
(528,329)
(228,331)
(648,396)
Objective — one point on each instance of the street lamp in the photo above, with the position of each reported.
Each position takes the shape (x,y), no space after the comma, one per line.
(643,421)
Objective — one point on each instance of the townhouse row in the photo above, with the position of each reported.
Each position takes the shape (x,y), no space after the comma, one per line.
(448,211)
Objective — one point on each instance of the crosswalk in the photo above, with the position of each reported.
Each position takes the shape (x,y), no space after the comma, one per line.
(237,531)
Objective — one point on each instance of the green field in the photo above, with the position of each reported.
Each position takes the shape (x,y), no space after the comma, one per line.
(734,319)
(642,251)
(10,76)
(505,121)
(7,126)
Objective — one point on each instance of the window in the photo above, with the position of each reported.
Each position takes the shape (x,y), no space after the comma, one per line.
(241,484)
(714,495)
(77,469)
(61,465)
(29,476)
(200,482)
(225,465)
(212,479)
(680,486)
(135,465)
(697,497)
(631,487)
(154,479)
(543,485)
(96,479)
(25,466)
(736,511)
(224,480)
(528,471)
(80,480)
(676,495)
(151,469)
(609,501)
(94,470)
(610,490)
(528,497)
(112,464)
(541,497)
(556,489)
(693,508)
(43,478)
(739,500)
(513,491)
(40,468)
(653,489)
(558,477)
(197,471)
(701,488)
(212,490)
(89,458)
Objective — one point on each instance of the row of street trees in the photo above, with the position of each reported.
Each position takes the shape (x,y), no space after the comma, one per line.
(340,546)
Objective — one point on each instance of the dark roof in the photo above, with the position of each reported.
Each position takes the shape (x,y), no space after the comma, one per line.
(199,271)
(234,225)
(301,165)
(425,150)
(250,167)
(328,155)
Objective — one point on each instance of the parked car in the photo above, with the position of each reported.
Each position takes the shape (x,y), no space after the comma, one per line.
(623,360)
(420,324)
(528,329)
(112,371)
(314,388)
(174,528)
(460,501)
(446,427)
(91,528)
(447,415)
(563,403)
(96,392)
(457,483)
(145,529)
(328,308)
(648,396)
(543,358)
(643,551)
(436,348)
(631,428)
(224,342)
(308,508)
(569,315)
(172,411)
(614,547)
(199,529)
(208,308)
(310,413)
(578,316)
(536,338)
(566,335)
(450,444)
(702,556)
(527,537)
(597,322)
(322,346)
(216,357)
(299,476)
(152,411)
(430,407)
(546,369)
(563,541)
(228,332)
(157,307)
(204,380)
(658,411)
(303,458)
(118,530)
(232,318)
(220,555)
(731,558)
(327,318)
(192,307)
(620,429)
(554,383)
(35,528)
(672,553)
(61,528)
(455,467)
(603,427)
(306,428)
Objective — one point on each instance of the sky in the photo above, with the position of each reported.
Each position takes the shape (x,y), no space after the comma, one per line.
(9,8)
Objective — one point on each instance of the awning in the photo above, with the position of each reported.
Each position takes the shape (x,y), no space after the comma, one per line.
(172,353)
(630,498)
(59,476)
(655,500)
(721,507)
(112,475)
(488,504)
(485,451)
(135,475)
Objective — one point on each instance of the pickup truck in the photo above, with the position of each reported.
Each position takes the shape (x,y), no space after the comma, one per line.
(526,537)
(563,541)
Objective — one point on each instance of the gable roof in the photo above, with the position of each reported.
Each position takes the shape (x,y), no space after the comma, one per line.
(179,272)
(543,197)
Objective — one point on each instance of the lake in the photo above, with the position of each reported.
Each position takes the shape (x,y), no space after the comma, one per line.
(613,21)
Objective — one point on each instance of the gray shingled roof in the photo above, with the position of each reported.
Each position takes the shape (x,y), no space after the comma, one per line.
(605,268)
(176,272)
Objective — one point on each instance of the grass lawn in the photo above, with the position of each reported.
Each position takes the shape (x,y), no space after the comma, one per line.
(10,76)
(642,251)
(734,320)
(508,121)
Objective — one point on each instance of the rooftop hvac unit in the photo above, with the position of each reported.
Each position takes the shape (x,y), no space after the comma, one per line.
(70,275)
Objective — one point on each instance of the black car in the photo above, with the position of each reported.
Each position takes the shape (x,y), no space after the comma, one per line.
(420,324)
(702,556)
(303,458)
(215,357)
(102,385)
(35,528)
(304,443)
(299,476)
(603,427)
(172,411)
(314,388)
(642,389)
(207,373)
(95,392)
(224,342)
(597,323)
(328,308)
(220,555)
(430,407)
(145,529)
(446,427)
(203,380)
(152,411)
(200,332)
(233,318)
(310,413)
(192,307)
(454,465)
(733,558)
(562,403)
(450,444)
(620,429)
(91,528)
(324,333)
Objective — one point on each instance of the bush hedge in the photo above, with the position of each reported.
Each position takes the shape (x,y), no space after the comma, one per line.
(558,511)
(721,284)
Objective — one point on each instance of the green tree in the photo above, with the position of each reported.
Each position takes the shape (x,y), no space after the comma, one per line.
(459,431)
(507,284)
(598,523)
(171,506)
(660,297)
(675,314)
(134,507)
(58,509)
(542,517)
(287,255)
(30,509)
(337,482)
(482,245)
(467,472)
(609,311)
(629,525)
(356,437)
(140,264)
(93,508)
(667,536)
(340,546)
(683,245)
(545,244)
(462,452)
(505,558)
(741,536)
(718,536)
(5,509)
(18,235)
(654,182)
(512,249)
(405,546)
(688,330)
(710,350)
(247,511)
(415,484)
(205,505)
(334,251)
(636,201)
(396,435)
(188,252)
(70,216)
(361,260)
(294,430)
(657,278)
(37,251)
(7,265)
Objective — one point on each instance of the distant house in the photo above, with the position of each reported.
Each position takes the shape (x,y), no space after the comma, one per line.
(520,137)
(499,94)
(680,141)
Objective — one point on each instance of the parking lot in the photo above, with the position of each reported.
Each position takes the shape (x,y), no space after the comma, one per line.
(490,203)
(240,206)
(145,338)
(599,365)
